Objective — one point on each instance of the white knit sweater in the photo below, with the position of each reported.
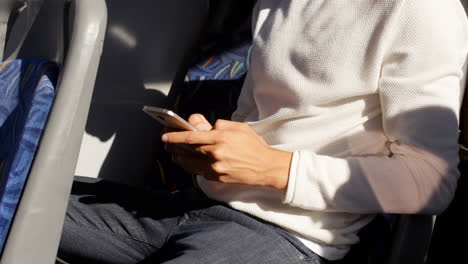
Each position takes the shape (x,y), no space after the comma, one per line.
(366,93)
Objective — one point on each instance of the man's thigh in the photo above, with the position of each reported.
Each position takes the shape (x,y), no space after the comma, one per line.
(221,235)
(113,223)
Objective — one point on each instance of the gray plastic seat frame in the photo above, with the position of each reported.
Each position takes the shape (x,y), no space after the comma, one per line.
(36,230)
(6,8)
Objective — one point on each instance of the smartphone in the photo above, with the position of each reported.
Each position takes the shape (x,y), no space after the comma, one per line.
(168,118)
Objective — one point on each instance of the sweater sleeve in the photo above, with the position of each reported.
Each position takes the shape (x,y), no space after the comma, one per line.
(420,92)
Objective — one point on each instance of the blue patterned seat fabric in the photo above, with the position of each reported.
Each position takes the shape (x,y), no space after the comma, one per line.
(222,61)
(26,94)
(218,73)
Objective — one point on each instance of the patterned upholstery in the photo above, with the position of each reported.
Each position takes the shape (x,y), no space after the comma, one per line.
(219,73)
(26,94)
(223,61)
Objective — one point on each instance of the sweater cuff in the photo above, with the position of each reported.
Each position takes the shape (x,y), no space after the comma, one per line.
(292,178)
(307,188)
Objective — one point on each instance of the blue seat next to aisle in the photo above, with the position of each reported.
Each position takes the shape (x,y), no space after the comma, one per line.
(26,96)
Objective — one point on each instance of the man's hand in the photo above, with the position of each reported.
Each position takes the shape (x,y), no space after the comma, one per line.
(229,152)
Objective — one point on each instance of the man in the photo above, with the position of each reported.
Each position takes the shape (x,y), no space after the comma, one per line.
(349,109)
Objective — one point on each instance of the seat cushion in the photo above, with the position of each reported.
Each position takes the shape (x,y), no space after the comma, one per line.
(27,93)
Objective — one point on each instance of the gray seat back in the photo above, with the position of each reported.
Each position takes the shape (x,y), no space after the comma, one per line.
(36,230)
(144,48)
(38,31)
(6,10)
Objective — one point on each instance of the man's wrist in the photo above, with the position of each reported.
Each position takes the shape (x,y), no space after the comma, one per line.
(278,169)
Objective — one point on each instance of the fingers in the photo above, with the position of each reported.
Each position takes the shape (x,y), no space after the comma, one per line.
(213,152)
(193,137)
(200,122)
(216,152)
(222,124)
(232,125)
(197,120)
(168,130)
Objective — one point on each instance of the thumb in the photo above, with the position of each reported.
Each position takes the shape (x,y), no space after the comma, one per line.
(200,122)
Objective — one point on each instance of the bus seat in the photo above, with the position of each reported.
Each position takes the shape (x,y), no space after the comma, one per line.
(145,45)
(69,34)
(37,31)
(217,70)
(27,88)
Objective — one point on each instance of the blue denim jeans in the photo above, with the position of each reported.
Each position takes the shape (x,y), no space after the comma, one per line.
(112,223)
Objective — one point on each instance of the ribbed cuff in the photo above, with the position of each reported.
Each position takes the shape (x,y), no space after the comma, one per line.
(292,178)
